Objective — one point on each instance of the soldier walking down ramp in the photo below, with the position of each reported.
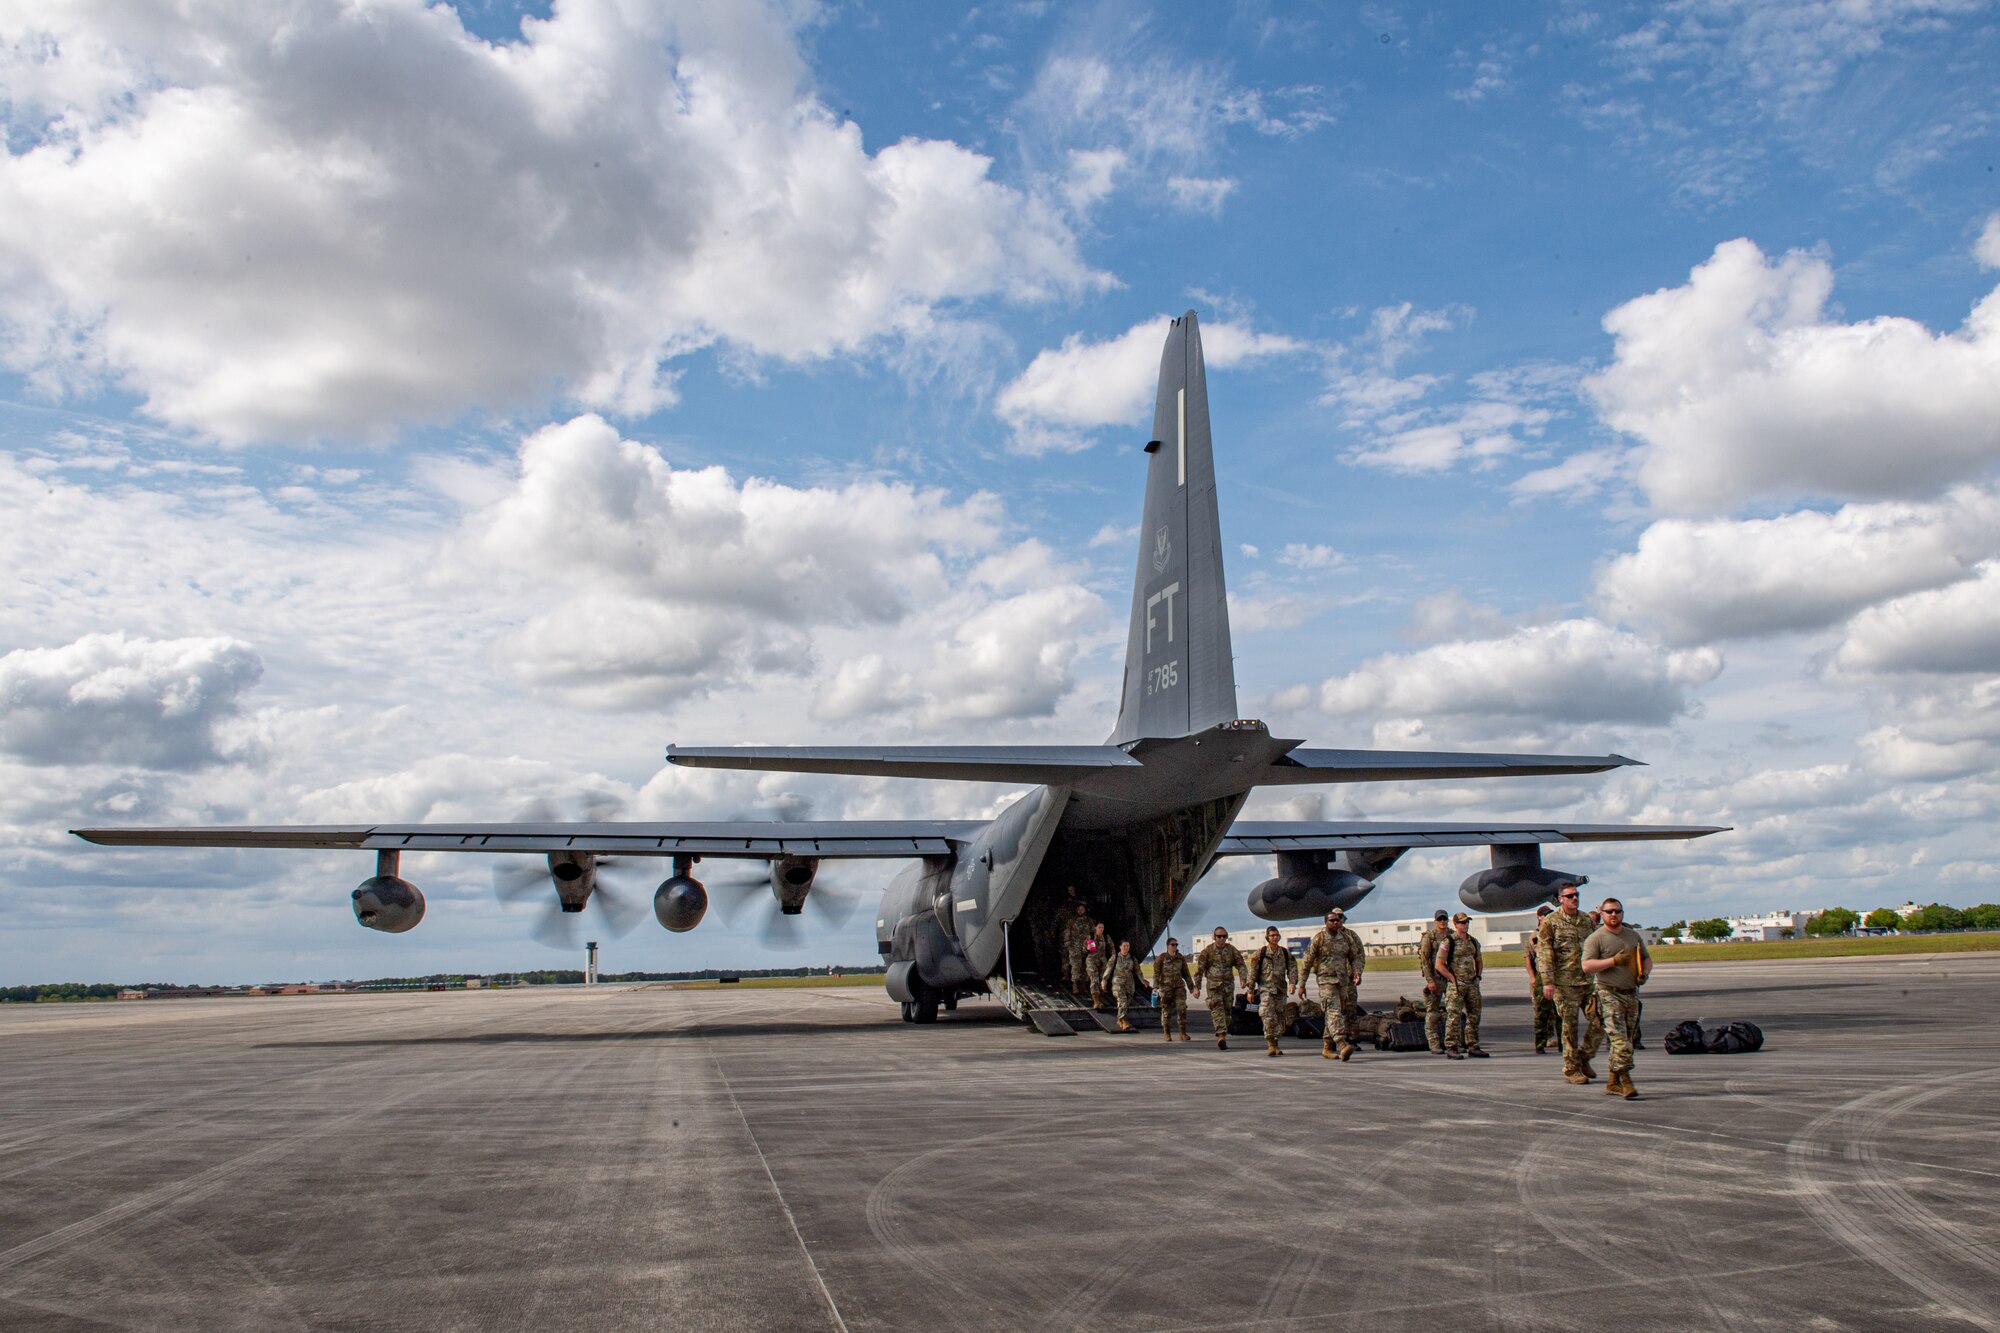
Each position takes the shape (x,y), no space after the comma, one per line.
(1459,963)
(1336,957)
(1544,1007)
(1559,958)
(1273,970)
(1076,934)
(1433,988)
(1616,960)
(1121,974)
(1096,961)
(1217,968)
(1172,973)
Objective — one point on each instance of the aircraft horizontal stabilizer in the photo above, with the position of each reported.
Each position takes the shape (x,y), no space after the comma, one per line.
(1308,766)
(1043,765)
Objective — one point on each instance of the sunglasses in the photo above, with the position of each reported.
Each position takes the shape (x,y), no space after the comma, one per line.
(1566,895)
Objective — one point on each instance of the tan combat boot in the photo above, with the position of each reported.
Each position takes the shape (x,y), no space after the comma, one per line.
(1574,1076)
(1326,1049)
(1625,1088)
(1222,1043)
(1346,1051)
(1272,1042)
(1588,1072)
(1167,1031)
(1124,1025)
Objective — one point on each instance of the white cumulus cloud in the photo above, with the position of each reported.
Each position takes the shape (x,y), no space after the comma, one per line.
(1066,391)
(331,219)
(1573,671)
(1699,580)
(1740,385)
(144,703)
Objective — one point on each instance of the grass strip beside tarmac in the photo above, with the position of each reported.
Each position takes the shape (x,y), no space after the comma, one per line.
(771,983)
(1968,942)
(1838,947)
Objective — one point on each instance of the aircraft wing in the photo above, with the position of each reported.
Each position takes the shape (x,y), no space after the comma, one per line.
(759,838)
(1253,838)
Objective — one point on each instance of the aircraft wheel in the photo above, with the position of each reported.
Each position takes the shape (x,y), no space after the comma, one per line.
(927,1011)
(909,1012)
(951,1005)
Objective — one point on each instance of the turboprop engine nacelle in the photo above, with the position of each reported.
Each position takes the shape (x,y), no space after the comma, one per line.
(1517,881)
(386,902)
(682,900)
(791,880)
(1307,885)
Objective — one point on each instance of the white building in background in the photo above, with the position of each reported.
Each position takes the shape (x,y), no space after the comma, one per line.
(1786,925)
(1503,932)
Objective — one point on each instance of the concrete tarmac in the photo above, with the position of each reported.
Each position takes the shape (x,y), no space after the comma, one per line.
(652,1159)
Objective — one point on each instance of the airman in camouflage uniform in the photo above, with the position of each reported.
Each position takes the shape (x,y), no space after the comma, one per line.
(1546,1029)
(1273,972)
(1617,960)
(1076,935)
(1121,974)
(1217,967)
(1096,961)
(1433,992)
(1336,957)
(1559,959)
(1172,972)
(1459,963)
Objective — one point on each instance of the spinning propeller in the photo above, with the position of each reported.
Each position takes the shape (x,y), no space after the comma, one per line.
(617,887)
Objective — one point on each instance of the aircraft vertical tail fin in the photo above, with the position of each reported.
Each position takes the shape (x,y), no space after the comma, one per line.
(1179,675)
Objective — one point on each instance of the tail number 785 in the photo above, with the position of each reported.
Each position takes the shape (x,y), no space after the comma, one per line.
(1163,677)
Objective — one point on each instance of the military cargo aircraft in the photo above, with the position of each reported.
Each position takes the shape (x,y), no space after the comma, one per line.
(1135,821)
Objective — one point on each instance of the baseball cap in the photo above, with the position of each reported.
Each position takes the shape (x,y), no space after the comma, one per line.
(1439,915)
(1460,916)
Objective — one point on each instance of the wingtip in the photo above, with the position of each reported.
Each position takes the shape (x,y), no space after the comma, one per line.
(1626,761)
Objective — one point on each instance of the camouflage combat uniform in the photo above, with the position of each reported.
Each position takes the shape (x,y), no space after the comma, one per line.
(1617,991)
(1273,971)
(1075,936)
(1432,997)
(1217,966)
(1461,997)
(1545,1008)
(1095,961)
(1336,958)
(1171,975)
(1559,958)
(1121,974)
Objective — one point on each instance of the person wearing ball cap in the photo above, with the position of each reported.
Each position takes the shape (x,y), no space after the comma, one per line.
(1336,957)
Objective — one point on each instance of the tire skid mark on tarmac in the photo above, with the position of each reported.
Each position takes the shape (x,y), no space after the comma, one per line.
(70,1124)
(1289,1288)
(1553,1193)
(888,1221)
(202,1183)
(1894,1230)
(197,1186)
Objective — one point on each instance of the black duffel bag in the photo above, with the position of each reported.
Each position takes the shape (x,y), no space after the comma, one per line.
(1686,1039)
(1407,1035)
(1734,1039)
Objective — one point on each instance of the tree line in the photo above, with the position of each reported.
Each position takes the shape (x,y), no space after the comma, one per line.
(1842,921)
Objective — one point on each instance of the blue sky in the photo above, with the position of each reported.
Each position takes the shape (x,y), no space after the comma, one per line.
(412,413)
